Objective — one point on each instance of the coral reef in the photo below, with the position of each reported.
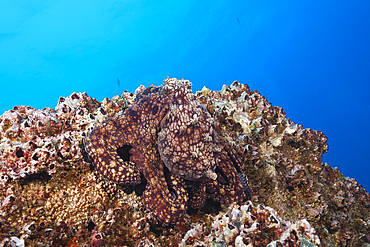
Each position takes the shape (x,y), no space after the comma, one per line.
(51,195)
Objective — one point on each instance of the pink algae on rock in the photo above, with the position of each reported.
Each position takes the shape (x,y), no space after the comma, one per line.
(51,195)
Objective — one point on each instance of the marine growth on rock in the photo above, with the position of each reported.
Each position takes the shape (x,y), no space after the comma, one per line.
(54,193)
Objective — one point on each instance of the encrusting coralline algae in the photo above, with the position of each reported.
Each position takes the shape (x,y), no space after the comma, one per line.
(51,195)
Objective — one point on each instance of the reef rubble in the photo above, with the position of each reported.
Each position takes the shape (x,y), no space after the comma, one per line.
(51,195)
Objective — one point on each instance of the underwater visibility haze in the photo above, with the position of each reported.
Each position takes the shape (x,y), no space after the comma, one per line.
(311,58)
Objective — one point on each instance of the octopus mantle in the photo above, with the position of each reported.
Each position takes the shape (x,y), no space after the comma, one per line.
(169,137)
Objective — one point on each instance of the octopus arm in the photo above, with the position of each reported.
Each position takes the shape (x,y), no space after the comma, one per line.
(197,193)
(238,164)
(235,158)
(104,145)
(165,194)
(227,188)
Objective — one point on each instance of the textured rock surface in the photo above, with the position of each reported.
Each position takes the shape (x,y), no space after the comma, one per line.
(284,166)
(51,195)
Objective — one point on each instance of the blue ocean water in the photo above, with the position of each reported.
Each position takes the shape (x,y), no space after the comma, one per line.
(310,57)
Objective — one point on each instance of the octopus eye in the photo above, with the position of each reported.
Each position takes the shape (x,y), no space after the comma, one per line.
(124,152)
(154,110)
(173,193)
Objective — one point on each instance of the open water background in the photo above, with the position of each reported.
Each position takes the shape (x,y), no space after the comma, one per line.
(310,57)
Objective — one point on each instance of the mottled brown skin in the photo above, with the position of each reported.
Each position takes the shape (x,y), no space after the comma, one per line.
(152,124)
(197,193)
(137,128)
(187,141)
(227,188)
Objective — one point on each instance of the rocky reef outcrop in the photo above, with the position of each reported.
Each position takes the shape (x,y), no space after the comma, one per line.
(50,194)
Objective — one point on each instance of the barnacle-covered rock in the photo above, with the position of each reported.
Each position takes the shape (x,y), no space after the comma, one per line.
(35,141)
(285,168)
(51,195)
(250,225)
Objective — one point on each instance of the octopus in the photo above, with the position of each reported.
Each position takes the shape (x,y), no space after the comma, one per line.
(169,139)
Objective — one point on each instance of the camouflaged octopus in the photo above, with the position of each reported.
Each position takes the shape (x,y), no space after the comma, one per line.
(169,137)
